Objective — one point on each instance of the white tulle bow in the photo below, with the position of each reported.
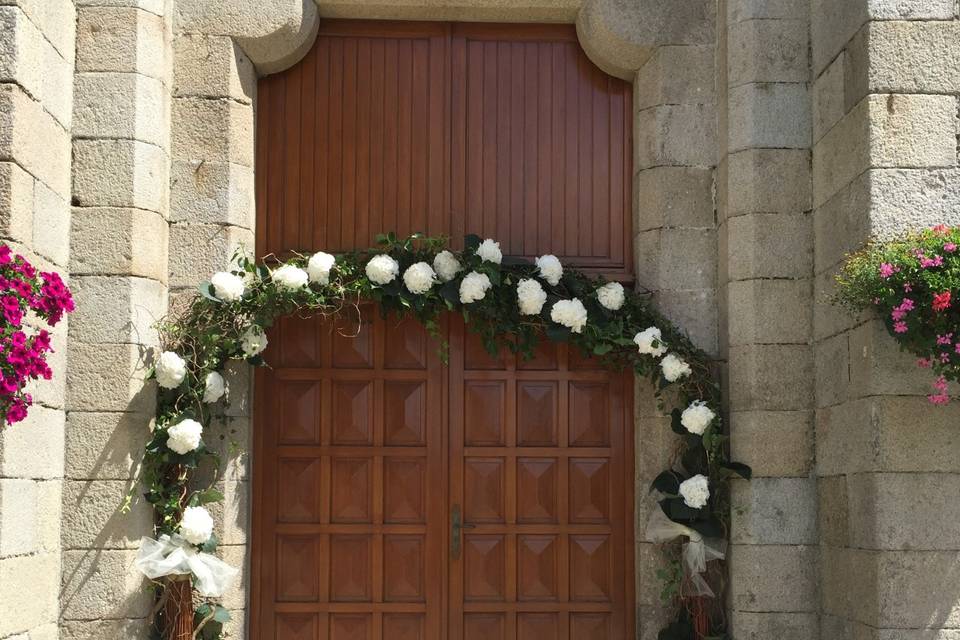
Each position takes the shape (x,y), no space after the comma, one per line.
(696,553)
(172,555)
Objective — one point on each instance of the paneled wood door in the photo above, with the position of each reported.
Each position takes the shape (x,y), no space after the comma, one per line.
(541,476)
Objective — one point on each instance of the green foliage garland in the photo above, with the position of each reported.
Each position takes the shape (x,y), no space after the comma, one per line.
(215,329)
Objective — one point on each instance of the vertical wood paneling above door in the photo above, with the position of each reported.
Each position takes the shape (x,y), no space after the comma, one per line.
(540,146)
(352,141)
(508,131)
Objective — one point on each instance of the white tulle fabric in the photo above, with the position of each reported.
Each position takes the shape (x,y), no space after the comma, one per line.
(172,555)
(696,553)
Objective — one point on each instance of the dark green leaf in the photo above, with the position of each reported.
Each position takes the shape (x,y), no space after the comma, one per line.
(678,511)
(602,349)
(742,470)
(558,333)
(211,544)
(675,423)
(471,242)
(209,495)
(667,482)
(694,460)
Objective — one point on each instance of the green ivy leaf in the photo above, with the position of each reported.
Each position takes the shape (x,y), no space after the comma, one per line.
(667,482)
(471,241)
(208,495)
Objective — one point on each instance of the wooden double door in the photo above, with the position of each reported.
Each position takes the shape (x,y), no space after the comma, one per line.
(399,498)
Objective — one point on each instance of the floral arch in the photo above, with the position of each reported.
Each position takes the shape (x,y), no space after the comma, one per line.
(511,304)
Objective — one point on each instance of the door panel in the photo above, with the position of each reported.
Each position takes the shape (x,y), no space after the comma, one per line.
(349,482)
(540,453)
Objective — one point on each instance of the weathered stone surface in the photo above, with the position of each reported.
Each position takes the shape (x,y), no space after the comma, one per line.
(840,227)
(238,557)
(99,583)
(109,377)
(203,249)
(212,66)
(674,197)
(23,121)
(740,10)
(16,201)
(675,135)
(18,517)
(767,51)
(124,39)
(773,443)
(218,130)
(832,24)
(153,6)
(774,511)
(771,377)
(909,199)
(120,173)
(829,98)
(769,311)
(123,629)
(660,264)
(879,367)
(773,578)
(768,246)
(832,369)
(768,181)
(121,105)
(117,309)
(782,626)
(676,75)
(885,131)
(769,115)
(57,79)
(92,517)
(833,511)
(24,603)
(231,517)
(41,431)
(21,51)
(696,311)
(105,446)
(51,225)
(109,241)
(52,393)
(212,192)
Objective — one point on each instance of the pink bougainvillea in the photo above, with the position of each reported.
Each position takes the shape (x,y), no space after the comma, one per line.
(25,293)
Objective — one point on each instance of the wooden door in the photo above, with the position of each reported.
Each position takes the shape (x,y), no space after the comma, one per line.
(349,484)
(541,476)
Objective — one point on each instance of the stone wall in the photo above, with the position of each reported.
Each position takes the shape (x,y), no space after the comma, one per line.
(884,160)
(36,89)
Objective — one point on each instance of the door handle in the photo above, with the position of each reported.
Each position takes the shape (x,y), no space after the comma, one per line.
(456,531)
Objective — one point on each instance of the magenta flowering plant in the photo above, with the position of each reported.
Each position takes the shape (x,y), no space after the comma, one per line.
(23,350)
(914,283)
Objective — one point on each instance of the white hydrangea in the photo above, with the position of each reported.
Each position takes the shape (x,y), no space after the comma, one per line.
(196,525)
(674,368)
(289,276)
(697,417)
(419,277)
(446,265)
(550,268)
(611,295)
(184,436)
(214,387)
(695,491)
(382,269)
(253,341)
(649,342)
(570,313)
(319,267)
(530,297)
(474,287)
(170,370)
(489,251)
(227,286)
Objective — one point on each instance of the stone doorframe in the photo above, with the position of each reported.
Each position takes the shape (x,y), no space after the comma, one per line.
(666,48)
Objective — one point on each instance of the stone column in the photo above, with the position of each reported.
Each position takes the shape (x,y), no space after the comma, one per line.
(766,292)
(36,92)
(884,160)
(121,153)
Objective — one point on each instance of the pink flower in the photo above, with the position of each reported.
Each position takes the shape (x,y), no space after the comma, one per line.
(940,229)
(900,327)
(945,339)
(907,304)
(950,247)
(924,363)
(938,398)
(887,270)
(907,287)
(944,358)
(941,301)
(898,314)
(928,263)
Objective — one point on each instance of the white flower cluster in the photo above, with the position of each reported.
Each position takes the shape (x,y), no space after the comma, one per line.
(196,525)
(382,269)
(446,265)
(550,269)
(674,368)
(473,287)
(227,286)
(697,417)
(214,387)
(570,313)
(170,370)
(695,491)
(649,341)
(319,267)
(530,297)
(611,296)
(489,251)
(290,277)
(184,436)
(253,341)
(419,277)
